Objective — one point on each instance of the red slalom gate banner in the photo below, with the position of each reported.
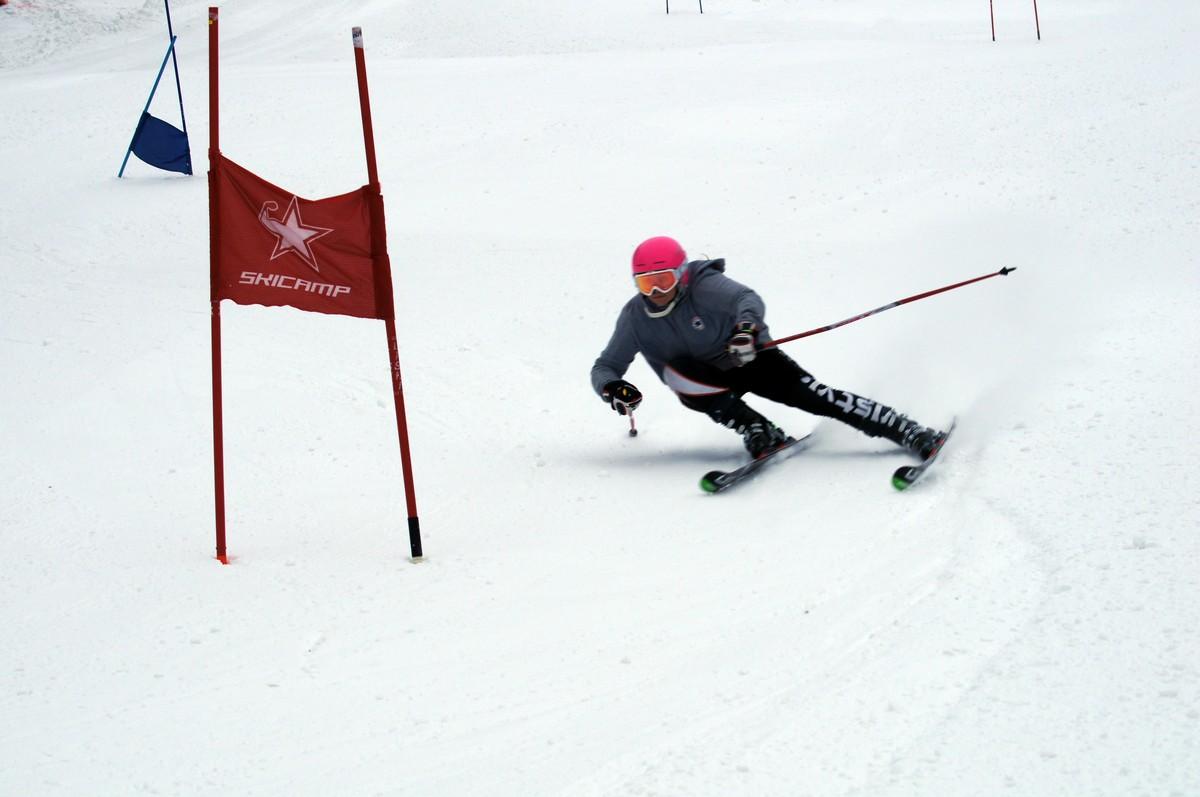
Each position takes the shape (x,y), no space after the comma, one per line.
(275,248)
(270,247)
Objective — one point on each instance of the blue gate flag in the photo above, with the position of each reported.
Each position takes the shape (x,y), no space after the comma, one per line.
(161,144)
(157,142)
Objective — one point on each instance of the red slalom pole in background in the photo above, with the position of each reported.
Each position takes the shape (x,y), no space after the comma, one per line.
(214,149)
(383,277)
(772,343)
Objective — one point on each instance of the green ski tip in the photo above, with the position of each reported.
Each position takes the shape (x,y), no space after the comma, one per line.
(708,482)
(900,484)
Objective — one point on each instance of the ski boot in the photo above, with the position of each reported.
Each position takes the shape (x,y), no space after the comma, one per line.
(922,441)
(761,437)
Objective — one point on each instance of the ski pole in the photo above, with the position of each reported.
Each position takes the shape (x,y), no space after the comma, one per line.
(771,343)
(628,411)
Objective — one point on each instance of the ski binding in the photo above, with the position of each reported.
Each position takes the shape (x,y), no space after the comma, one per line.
(908,475)
(716,481)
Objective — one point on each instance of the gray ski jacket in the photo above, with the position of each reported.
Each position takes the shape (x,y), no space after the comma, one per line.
(697,326)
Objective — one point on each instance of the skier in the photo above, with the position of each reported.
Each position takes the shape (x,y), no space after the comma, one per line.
(699,332)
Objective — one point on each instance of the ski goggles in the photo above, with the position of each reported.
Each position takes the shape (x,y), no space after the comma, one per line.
(657,281)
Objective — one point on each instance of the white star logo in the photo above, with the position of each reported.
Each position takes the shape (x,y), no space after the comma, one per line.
(292,234)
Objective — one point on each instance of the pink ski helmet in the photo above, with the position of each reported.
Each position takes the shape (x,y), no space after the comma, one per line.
(659,254)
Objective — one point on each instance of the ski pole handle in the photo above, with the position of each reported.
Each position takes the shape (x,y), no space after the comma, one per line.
(771,343)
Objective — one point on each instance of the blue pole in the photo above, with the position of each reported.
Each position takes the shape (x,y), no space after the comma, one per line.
(170,49)
(175,63)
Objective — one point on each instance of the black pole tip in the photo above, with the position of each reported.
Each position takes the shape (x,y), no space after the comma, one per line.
(414,538)
(1007,270)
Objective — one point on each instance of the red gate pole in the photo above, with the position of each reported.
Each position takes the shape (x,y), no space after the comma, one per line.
(383,292)
(1036,22)
(992,14)
(214,150)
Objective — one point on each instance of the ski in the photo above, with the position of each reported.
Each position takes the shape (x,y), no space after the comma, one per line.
(908,475)
(716,481)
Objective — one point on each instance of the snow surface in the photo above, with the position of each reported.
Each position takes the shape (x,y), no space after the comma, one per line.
(586,622)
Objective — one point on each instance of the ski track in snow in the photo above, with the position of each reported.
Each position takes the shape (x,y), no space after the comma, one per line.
(588,622)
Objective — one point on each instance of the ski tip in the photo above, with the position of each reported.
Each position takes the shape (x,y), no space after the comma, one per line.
(902,479)
(708,482)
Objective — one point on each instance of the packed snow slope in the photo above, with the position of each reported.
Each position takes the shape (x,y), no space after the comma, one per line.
(586,622)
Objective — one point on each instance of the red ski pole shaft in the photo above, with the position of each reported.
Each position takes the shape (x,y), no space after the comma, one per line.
(771,343)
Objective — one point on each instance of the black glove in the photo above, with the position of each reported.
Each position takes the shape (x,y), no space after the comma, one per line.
(741,346)
(621,396)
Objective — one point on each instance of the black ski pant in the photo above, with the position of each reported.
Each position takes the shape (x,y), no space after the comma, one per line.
(775,376)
